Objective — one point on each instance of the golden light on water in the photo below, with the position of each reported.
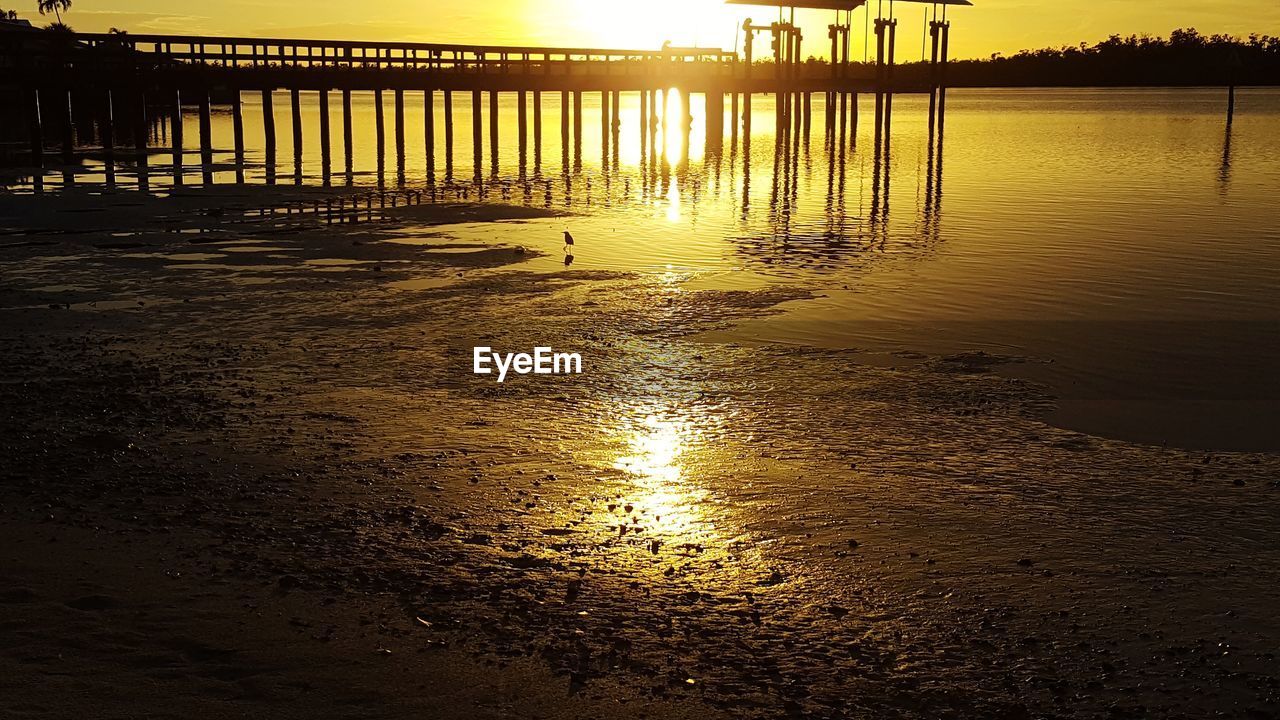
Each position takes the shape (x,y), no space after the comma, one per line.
(673,140)
(656,457)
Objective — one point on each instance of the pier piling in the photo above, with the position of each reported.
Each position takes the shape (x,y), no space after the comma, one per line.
(429,131)
(237,122)
(399,117)
(348,159)
(206,138)
(325,155)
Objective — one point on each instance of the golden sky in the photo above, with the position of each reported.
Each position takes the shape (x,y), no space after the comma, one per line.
(991,26)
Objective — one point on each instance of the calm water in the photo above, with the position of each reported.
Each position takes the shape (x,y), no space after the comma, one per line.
(1126,241)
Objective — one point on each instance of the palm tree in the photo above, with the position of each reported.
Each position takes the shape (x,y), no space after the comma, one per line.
(57,6)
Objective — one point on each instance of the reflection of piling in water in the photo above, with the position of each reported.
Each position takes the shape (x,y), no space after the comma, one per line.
(448,134)
(348,152)
(1224,170)
(429,132)
(237,130)
(733,121)
(380,133)
(522,123)
(268,131)
(604,128)
(477,145)
(206,139)
(808,112)
(644,126)
(577,130)
(715,121)
(325,155)
(686,129)
(746,154)
(399,105)
(615,127)
(564,129)
(493,133)
(537,129)
(295,107)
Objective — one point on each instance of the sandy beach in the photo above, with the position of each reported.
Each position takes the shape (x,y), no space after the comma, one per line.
(247,473)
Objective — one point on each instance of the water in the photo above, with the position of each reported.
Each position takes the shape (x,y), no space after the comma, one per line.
(1123,241)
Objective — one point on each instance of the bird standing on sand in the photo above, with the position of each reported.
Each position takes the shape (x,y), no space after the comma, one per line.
(568,248)
(568,239)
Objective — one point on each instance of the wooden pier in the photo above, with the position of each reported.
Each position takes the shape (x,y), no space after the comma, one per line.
(126,77)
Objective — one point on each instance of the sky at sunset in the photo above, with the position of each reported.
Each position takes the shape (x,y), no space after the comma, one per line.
(991,26)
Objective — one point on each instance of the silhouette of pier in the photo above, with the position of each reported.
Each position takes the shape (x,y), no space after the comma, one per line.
(127,78)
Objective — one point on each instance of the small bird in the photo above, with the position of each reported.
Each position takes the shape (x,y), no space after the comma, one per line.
(568,239)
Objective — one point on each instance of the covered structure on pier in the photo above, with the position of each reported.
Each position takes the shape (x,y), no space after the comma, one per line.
(787,36)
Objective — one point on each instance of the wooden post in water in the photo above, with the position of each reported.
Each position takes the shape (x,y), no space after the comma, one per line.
(714,119)
(268,125)
(399,105)
(644,124)
(493,131)
(206,138)
(429,132)
(881,24)
(237,120)
(140,137)
(37,130)
(522,100)
(448,133)
(537,128)
(733,121)
(604,128)
(348,161)
(477,144)
(295,107)
(564,128)
(942,72)
(380,128)
(326,157)
(577,129)
(686,125)
(177,137)
(808,109)
(853,112)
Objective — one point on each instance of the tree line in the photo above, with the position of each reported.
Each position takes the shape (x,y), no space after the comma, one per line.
(1186,57)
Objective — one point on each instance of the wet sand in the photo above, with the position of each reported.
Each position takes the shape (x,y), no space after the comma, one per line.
(265,483)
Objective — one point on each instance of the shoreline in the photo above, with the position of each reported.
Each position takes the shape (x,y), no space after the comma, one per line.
(232,473)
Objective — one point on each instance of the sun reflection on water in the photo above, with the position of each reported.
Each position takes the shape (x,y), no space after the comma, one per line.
(656,459)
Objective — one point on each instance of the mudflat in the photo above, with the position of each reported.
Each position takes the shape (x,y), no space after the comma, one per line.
(247,471)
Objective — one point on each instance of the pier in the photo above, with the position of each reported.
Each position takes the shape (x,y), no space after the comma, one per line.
(124,79)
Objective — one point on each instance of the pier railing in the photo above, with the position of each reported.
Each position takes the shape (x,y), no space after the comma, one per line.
(35,50)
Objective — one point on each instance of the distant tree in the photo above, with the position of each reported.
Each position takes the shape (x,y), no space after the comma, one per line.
(1186,57)
(55,6)
(8,14)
